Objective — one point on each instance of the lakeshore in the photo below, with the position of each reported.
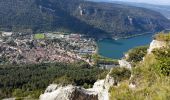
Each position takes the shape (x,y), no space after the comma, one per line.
(131,36)
(115,49)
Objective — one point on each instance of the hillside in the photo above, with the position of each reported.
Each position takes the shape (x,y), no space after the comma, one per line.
(163,9)
(150,79)
(143,74)
(94,19)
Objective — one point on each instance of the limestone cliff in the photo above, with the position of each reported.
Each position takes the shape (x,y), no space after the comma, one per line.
(124,63)
(98,92)
(55,92)
(155,44)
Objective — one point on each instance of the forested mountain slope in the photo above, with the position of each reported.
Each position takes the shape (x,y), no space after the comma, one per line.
(78,16)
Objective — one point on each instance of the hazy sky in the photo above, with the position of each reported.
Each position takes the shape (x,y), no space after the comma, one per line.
(162,2)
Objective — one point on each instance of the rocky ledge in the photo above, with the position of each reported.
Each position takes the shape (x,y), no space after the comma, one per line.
(55,92)
(70,92)
(155,44)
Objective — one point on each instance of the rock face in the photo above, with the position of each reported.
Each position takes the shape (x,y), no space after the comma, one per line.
(101,90)
(155,44)
(98,92)
(109,81)
(70,92)
(124,63)
(54,92)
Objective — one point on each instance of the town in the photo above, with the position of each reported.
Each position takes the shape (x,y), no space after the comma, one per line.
(26,48)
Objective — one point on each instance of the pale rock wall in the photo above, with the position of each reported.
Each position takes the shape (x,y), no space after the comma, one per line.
(155,44)
(124,63)
(98,92)
(69,92)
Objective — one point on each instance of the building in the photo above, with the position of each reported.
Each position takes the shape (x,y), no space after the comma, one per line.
(7,33)
(54,36)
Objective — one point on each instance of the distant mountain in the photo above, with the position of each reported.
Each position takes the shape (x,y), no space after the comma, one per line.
(94,19)
(163,9)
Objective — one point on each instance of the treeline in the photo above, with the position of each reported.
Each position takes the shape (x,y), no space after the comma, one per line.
(31,80)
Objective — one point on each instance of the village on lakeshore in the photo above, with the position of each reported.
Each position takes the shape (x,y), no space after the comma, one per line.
(26,48)
(48,47)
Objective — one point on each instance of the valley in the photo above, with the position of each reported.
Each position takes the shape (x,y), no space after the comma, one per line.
(44,59)
(84,50)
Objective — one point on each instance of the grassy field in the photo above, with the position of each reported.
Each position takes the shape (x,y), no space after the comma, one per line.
(39,36)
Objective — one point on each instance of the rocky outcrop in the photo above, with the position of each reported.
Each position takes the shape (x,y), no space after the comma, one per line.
(55,92)
(99,88)
(109,81)
(155,44)
(100,91)
(70,92)
(124,63)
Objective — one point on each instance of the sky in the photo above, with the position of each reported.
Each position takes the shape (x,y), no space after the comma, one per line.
(158,2)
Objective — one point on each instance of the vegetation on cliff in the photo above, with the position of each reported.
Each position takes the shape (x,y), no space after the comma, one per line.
(162,36)
(119,74)
(150,78)
(137,54)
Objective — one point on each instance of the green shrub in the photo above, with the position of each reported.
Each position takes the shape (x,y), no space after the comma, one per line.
(120,74)
(163,63)
(137,54)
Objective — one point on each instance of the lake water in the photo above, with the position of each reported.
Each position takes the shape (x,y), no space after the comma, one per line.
(116,48)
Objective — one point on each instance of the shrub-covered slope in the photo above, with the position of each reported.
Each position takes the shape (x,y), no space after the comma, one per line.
(150,78)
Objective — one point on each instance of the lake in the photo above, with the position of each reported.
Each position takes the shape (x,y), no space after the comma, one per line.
(116,48)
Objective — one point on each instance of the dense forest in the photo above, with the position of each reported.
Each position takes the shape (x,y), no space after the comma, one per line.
(94,19)
(32,80)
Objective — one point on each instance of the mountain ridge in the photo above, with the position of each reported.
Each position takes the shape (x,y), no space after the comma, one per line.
(93,19)
(163,9)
